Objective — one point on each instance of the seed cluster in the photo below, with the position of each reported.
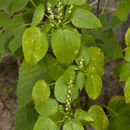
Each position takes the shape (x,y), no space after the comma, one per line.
(60,12)
(52,16)
(68,100)
(81,63)
(50,11)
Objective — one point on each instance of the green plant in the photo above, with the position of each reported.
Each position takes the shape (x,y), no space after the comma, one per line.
(63,51)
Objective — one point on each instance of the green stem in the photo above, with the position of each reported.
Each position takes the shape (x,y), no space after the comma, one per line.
(33,3)
(66,22)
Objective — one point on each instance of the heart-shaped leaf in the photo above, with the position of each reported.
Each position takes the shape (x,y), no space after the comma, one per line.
(35,45)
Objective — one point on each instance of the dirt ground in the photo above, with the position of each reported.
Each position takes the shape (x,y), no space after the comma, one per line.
(8,81)
(8,101)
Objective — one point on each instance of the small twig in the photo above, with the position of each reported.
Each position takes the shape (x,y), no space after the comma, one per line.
(108,108)
(93,3)
(47,16)
(28,24)
(125,49)
(66,22)
(106,2)
(33,3)
(61,121)
(2,29)
(52,84)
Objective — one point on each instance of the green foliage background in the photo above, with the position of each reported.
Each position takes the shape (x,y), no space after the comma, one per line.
(63,46)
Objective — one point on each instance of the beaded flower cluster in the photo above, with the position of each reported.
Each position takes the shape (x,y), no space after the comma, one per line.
(60,14)
(68,100)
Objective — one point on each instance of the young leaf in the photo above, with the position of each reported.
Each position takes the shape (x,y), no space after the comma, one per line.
(40,91)
(73,125)
(127,54)
(80,80)
(47,107)
(83,116)
(85,19)
(35,45)
(127,37)
(93,86)
(96,62)
(45,123)
(83,54)
(61,91)
(100,119)
(38,15)
(65,44)
(127,90)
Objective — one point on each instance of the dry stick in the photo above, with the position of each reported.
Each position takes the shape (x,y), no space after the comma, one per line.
(98,4)
(106,2)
